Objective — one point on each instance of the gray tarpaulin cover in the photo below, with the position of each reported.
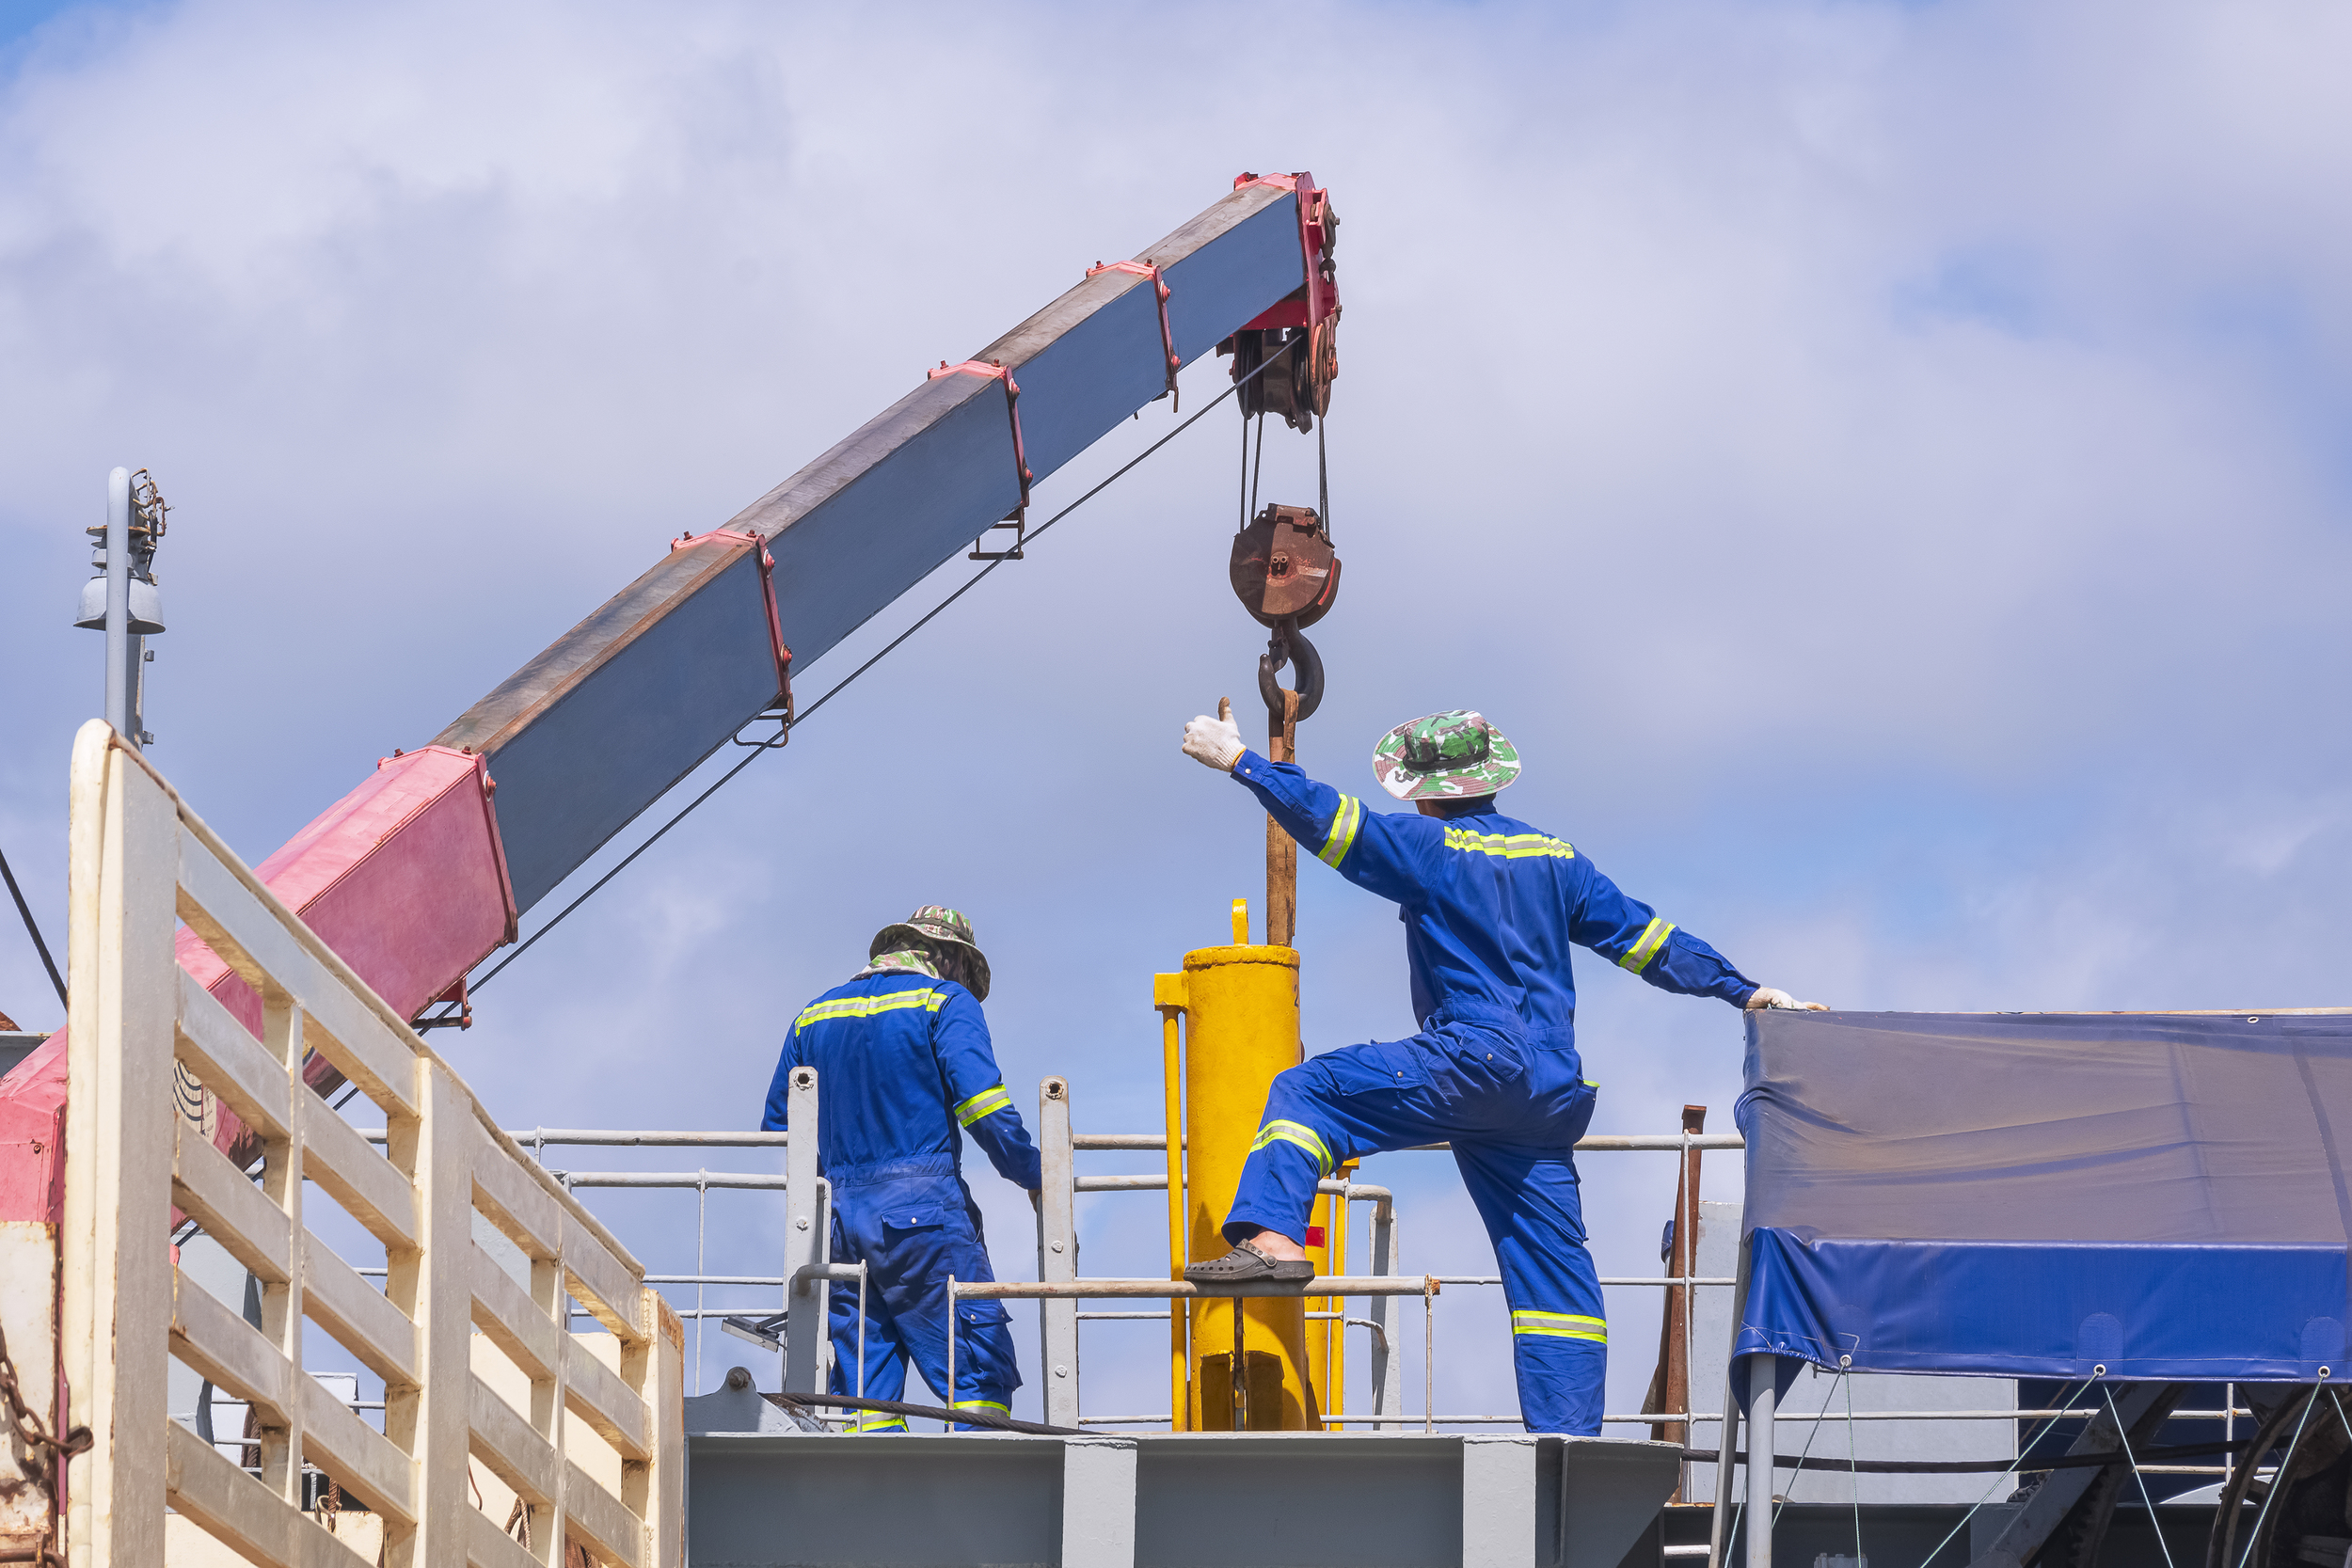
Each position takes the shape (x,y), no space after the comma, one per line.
(2159,1194)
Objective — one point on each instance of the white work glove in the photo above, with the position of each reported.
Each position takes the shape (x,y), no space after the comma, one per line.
(1767,997)
(1215,742)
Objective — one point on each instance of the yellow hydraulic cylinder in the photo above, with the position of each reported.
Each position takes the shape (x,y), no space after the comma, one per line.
(1241,1029)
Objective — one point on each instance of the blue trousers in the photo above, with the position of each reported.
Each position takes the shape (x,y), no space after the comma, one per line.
(914,1224)
(1513,1110)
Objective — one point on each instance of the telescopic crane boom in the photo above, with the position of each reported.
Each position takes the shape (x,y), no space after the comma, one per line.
(424,868)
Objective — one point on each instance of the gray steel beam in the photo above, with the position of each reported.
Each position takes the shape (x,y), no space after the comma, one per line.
(807,1242)
(1057,1255)
(1198,1499)
(2144,1407)
(596,729)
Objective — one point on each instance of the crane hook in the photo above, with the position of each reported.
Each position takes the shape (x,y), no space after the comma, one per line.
(1289,645)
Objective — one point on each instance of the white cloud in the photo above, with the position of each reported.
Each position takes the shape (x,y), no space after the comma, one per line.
(1881,464)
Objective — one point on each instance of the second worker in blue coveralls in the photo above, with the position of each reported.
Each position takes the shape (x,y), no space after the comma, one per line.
(1491,906)
(903,1061)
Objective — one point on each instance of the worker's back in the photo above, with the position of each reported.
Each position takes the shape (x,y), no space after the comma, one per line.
(902,1061)
(1500,905)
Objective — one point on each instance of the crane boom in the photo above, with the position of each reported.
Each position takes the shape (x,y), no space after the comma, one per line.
(661,675)
(423,870)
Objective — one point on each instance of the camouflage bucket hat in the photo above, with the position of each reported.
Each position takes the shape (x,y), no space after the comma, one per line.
(1445,755)
(935,922)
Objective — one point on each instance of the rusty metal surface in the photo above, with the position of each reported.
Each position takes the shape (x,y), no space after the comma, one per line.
(1282,567)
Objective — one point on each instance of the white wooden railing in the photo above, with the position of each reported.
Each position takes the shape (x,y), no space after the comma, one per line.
(141,859)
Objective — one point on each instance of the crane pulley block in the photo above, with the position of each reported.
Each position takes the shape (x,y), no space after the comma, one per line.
(1303,326)
(1283,568)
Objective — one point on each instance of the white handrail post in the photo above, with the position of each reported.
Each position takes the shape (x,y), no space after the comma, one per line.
(119,1150)
(1387,1371)
(433,1284)
(805,1242)
(657,1370)
(1057,1253)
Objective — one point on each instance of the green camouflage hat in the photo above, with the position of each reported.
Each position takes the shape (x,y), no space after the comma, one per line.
(936,923)
(1445,755)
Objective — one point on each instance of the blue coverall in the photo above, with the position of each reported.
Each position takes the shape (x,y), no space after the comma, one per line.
(1491,907)
(902,1061)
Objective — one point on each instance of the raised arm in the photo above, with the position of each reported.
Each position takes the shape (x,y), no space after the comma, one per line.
(1630,934)
(975,1089)
(1381,853)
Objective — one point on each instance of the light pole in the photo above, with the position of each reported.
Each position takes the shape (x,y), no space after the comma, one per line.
(121,599)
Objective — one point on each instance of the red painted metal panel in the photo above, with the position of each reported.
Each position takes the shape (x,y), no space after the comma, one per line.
(403,877)
(32,1134)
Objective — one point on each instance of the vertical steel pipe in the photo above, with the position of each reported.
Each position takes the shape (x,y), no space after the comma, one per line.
(806,1240)
(118,693)
(1057,1253)
(1763,1393)
(1168,995)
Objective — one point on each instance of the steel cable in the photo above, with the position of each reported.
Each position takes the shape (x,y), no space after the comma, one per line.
(33,927)
(803,715)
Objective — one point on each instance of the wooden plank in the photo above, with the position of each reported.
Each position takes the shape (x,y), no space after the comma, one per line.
(607,1289)
(663,1504)
(358,1177)
(508,1445)
(239,1512)
(118,1146)
(225,1349)
(489,1546)
(248,937)
(357,1314)
(595,1393)
(228,1060)
(358,1455)
(504,1311)
(437,1289)
(528,1212)
(595,1513)
(232,1210)
(505,1143)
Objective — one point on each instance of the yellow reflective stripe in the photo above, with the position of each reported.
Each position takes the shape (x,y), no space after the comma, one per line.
(866,1006)
(1511,846)
(1561,1325)
(1293,1132)
(1341,837)
(986,1102)
(981,1404)
(879,1423)
(1654,937)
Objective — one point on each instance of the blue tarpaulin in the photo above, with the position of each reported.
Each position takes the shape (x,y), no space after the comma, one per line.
(2055,1195)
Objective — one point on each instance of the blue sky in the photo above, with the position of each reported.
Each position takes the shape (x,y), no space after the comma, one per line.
(1884,466)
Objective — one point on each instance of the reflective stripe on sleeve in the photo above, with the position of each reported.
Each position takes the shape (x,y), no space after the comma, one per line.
(1561,1325)
(986,1102)
(1341,837)
(1654,937)
(866,1006)
(1295,1133)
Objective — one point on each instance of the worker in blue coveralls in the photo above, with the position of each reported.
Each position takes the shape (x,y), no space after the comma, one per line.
(902,1062)
(1491,907)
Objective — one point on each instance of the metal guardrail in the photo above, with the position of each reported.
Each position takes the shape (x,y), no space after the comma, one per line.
(1060,1305)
